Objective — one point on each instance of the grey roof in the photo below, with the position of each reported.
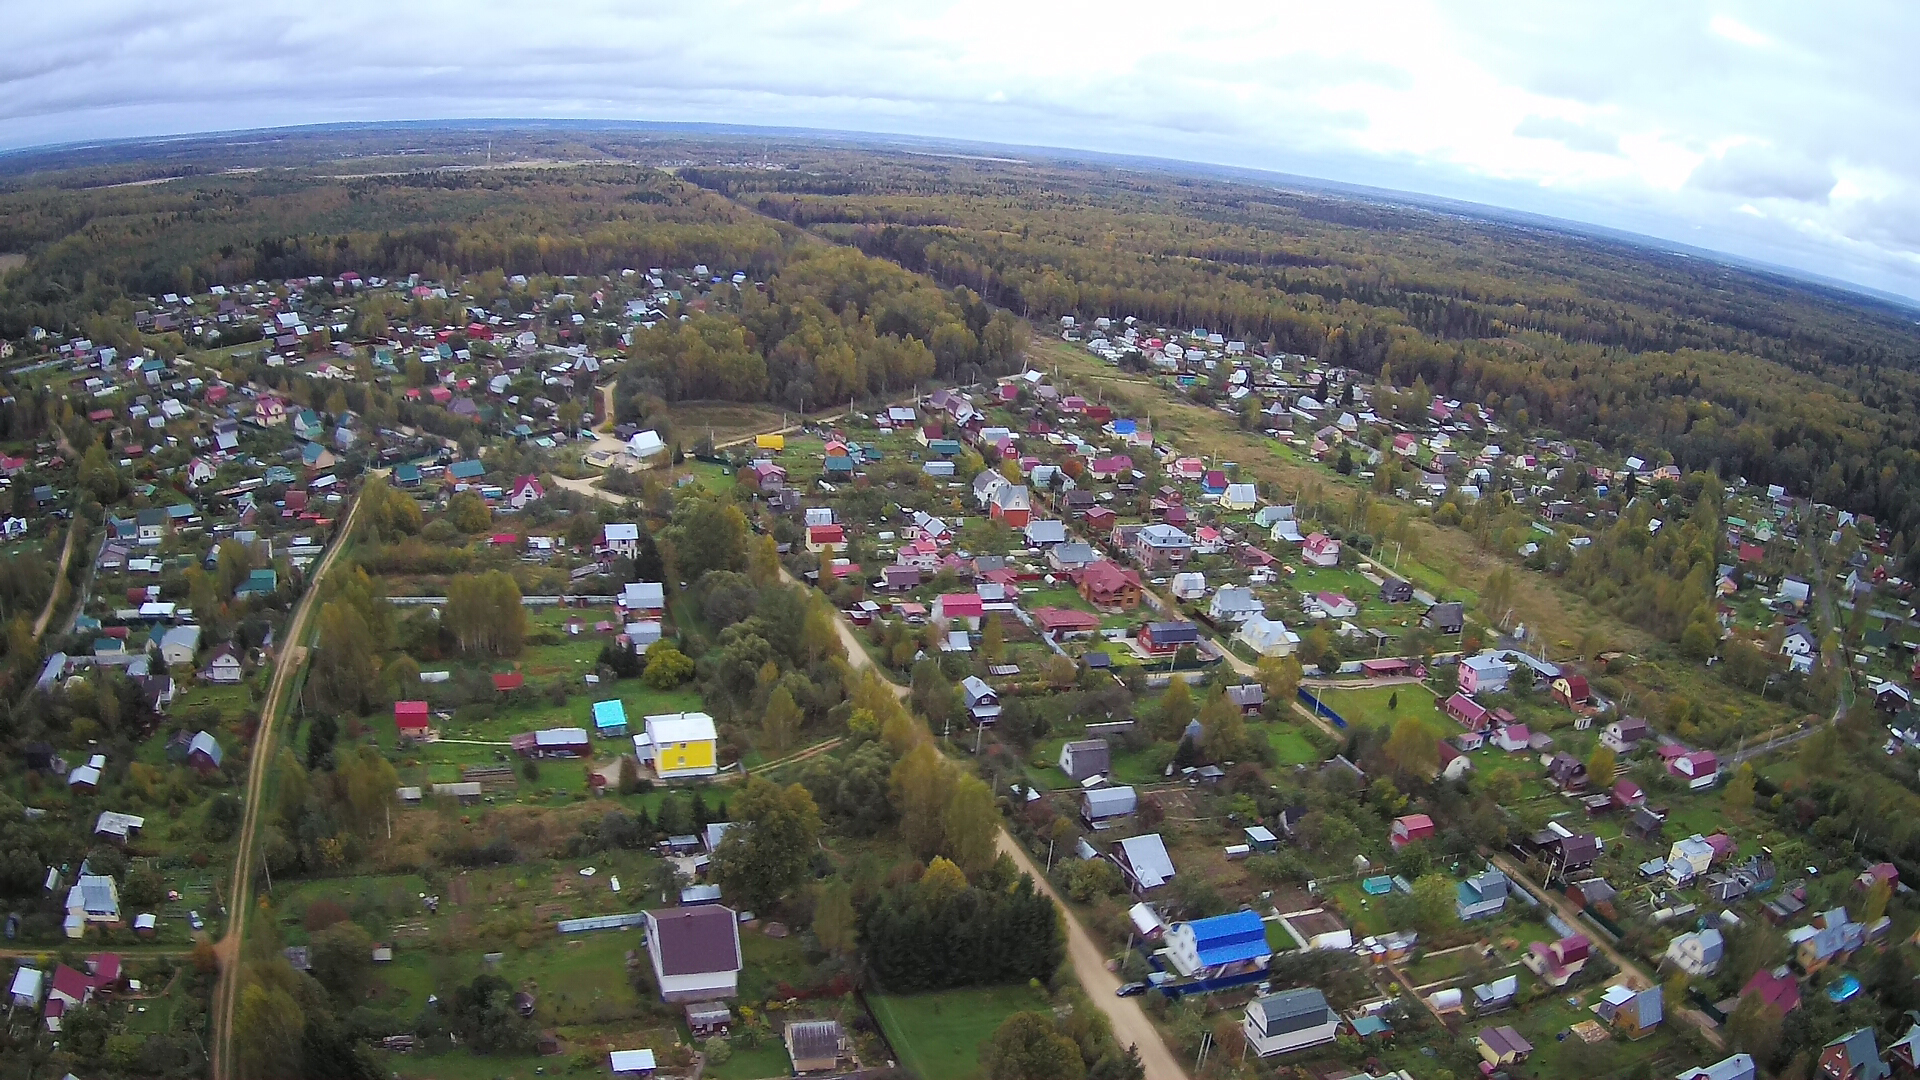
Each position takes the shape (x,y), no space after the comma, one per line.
(1737,1067)
(811,1039)
(1292,1010)
(1147,855)
(1110,802)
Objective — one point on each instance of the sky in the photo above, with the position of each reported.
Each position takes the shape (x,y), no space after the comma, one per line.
(1782,132)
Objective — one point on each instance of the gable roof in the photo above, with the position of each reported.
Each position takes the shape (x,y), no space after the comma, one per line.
(1147,856)
(1227,939)
(696,940)
(1292,1010)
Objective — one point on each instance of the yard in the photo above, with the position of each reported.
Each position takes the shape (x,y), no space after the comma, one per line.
(1384,706)
(938,1035)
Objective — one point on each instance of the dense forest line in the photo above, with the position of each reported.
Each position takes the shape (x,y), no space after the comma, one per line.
(1677,359)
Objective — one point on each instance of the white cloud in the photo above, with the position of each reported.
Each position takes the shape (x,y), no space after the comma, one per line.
(1667,118)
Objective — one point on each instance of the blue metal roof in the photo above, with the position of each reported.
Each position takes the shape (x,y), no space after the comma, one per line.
(1226,939)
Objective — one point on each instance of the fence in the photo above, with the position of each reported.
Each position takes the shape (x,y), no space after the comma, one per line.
(1312,701)
(582,600)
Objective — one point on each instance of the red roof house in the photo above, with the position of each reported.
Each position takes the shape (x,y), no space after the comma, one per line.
(411,718)
(1410,829)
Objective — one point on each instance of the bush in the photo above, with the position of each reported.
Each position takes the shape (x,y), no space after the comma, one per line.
(718,1051)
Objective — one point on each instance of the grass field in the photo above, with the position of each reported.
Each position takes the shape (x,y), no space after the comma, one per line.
(1290,747)
(938,1035)
(769,1059)
(1367,706)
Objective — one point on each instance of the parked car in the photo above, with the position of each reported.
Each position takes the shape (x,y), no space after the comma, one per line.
(1131,989)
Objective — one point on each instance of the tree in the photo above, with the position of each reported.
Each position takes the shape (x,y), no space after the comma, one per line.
(268,1028)
(468,512)
(921,787)
(345,673)
(993,640)
(1280,677)
(1433,902)
(370,781)
(1026,1046)
(342,960)
(1754,1027)
(667,667)
(833,918)
(1739,793)
(767,852)
(1412,749)
(780,723)
(971,824)
(1602,766)
(1176,709)
(484,614)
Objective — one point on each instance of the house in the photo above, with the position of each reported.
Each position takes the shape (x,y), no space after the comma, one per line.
(1234,604)
(203,752)
(1335,606)
(695,952)
(1875,874)
(679,745)
(1484,674)
(645,445)
(526,490)
(118,827)
(1110,587)
(1776,986)
(1070,556)
(1700,769)
(1239,497)
(1853,1056)
(1059,623)
(1082,758)
(826,538)
(1395,591)
(179,645)
(1495,995)
(1143,860)
(1633,1013)
(223,666)
(1570,690)
(1501,1046)
(412,720)
(621,538)
(551,743)
(1557,963)
(1471,714)
(1737,1067)
(982,700)
(1267,637)
(1481,895)
(959,607)
(1012,505)
(813,1045)
(1830,940)
(1448,618)
(1623,735)
(1160,545)
(1290,1020)
(1320,550)
(1161,638)
(1102,805)
(1222,945)
(152,524)
(1697,952)
(1410,829)
(610,718)
(1249,698)
(29,986)
(1905,1050)
(1046,533)
(1191,585)
(93,900)
(1800,648)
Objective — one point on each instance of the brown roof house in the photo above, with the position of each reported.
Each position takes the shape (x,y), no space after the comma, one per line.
(695,951)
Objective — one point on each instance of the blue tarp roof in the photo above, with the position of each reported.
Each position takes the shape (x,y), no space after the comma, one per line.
(608,714)
(1226,939)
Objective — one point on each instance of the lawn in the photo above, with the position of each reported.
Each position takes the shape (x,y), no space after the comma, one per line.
(938,1035)
(766,1060)
(1368,706)
(1290,747)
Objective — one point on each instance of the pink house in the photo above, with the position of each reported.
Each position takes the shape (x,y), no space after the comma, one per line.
(526,490)
(1469,712)
(1321,550)
(1700,769)
(411,718)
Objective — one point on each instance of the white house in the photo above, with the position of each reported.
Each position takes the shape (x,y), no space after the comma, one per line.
(179,644)
(1234,604)
(645,445)
(1267,637)
(1290,1020)
(621,538)
(1698,952)
(695,952)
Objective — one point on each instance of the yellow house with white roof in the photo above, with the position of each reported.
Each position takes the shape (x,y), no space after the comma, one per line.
(679,745)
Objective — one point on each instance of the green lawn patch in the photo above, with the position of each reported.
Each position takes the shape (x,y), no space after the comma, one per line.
(1290,747)
(938,1035)
(769,1059)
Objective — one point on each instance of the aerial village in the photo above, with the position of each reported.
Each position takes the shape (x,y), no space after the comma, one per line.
(1317,802)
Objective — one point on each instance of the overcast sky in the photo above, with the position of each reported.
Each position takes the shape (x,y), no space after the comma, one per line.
(1785,132)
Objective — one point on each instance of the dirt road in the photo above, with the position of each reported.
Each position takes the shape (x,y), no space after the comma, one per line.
(239,894)
(1636,976)
(1130,1023)
(59,582)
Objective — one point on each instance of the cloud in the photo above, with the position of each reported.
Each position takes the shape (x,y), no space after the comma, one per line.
(1664,118)
(1569,134)
(1754,171)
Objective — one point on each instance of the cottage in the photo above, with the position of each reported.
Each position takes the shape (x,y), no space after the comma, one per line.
(1559,962)
(1736,1067)
(1267,637)
(1290,1020)
(1233,605)
(982,700)
(179,645)
(695,952)
(1162,638)
(223,666)
(1700,769)
(1110,587)
(1624,734)
(1633,1013)
(551,743)
(1448,618)
(1481,895)
(1393,590)
(1218,946)
(1697,952)
(959,607)
(1083,758)
(1410,829)
(1570,690)
(610,718)
(1160,546)
(679,745)
(1320,550)
(1143,860)
(1100,806)
(1502,1046)
(412,720)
